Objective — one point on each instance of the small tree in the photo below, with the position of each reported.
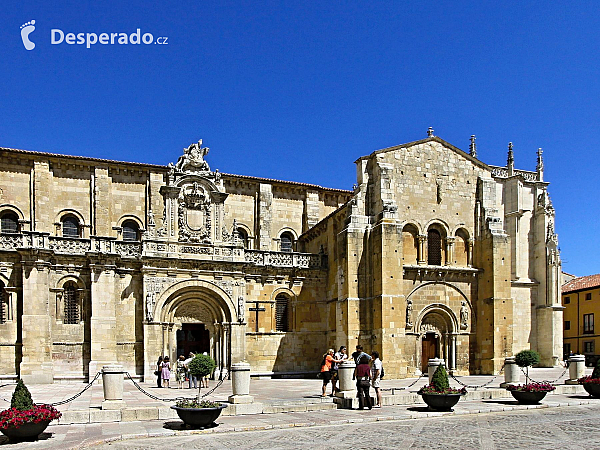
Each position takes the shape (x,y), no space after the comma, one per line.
(596,372)
(21,398)
(201,366)
(526,358)
(440,379)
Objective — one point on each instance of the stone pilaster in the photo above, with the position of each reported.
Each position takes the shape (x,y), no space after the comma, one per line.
(265,199)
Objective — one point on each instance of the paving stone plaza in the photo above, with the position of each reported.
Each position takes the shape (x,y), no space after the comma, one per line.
(295,415)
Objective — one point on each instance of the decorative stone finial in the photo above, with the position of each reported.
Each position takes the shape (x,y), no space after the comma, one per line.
(473,147)
(539,168)
(510,164)
(192,159)
(430,132)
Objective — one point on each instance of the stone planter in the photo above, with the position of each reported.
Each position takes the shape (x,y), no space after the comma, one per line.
(528,398)
(593,389)
(199,417)
(441,402)
(26,432)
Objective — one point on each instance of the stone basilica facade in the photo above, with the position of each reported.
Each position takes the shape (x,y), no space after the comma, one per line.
(433,254)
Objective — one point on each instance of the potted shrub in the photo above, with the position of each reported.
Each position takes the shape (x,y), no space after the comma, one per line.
(439,395)
(591,383)
(199,413)
(24,420)
(529,393)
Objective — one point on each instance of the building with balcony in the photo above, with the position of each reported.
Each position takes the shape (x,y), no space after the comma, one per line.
(581,299)
(433,254)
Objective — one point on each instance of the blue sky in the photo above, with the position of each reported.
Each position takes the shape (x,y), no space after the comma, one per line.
(261,82)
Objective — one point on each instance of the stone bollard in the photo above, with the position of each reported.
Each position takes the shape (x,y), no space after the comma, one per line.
(512,372)
(432,366)
(347,386)
(240,382)
(112,383)
(576,368)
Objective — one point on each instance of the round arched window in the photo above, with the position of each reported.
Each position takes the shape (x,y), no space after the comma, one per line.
(243,237)
(286,240)
(70,227)
(131,231)
(9,223)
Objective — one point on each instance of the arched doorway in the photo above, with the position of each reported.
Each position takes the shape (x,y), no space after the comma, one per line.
(438,336)
(194,316)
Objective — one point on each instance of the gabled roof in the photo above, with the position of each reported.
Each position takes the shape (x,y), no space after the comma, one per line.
(430,139)
(581,283)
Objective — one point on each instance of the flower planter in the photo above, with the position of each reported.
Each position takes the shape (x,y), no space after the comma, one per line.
(441,402)
(592,388)
(26,432)
(528,398)
(199,417)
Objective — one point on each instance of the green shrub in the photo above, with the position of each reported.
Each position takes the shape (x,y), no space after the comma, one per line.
(526,358)
(202,366)
(596,372)
(21,398)
(440,379)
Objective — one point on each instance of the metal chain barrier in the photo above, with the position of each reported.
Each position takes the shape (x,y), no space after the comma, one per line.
(78,394)
(406,387)
(545,381)
(154,397)
(480,386)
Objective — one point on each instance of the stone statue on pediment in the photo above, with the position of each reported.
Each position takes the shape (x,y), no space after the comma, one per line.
(192,159)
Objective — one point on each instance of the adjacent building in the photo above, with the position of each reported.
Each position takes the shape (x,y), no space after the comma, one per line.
(433,254)
(581,299)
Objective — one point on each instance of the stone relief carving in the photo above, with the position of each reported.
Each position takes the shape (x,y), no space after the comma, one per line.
(192,159)
(194,214)
(192,312)
(241,309)
(150,302)
(464,315)
(409,307)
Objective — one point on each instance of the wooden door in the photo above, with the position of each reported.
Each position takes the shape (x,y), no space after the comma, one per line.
(429,350)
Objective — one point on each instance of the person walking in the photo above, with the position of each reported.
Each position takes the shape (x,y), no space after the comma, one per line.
(340,355)
(193,380)
(326,364)
(158,371)
(166,371)
(376,377)
(363,382)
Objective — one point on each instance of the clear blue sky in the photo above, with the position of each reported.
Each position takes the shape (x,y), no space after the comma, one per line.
(264,82)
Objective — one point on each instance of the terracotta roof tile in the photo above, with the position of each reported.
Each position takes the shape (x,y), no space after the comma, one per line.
(577,284)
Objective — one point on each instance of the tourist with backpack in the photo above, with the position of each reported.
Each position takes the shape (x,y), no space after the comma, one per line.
(326,369)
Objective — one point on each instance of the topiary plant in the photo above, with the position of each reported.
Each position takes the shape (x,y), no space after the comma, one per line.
(21,398)
(526,358)
(440,379)
(201,366)
(596,372)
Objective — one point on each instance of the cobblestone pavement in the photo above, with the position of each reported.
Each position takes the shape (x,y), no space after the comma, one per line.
(572,427)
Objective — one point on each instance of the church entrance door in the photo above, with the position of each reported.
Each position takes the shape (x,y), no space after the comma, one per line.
(429,349)
(193,337)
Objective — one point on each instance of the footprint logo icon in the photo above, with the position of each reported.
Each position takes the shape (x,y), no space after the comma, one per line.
(26,30)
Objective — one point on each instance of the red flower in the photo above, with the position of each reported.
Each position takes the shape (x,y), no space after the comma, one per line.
(12,417)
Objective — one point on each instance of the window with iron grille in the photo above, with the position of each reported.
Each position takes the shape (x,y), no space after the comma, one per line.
(588,296)
(3,304)
(130,231)
(9,223)
(70,227)
(71,302)
(588,347)
(588,323)
(434,248)
(281,312)
(286,242)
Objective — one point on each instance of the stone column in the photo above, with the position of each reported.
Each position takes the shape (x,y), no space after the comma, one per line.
(433,365)
(470,253)
(240,382)
(112,381)
(450,251)
(511,372)
(576,368)
(347,386)
(421,249)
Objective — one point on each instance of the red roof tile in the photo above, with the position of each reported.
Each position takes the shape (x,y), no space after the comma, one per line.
(577,284)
